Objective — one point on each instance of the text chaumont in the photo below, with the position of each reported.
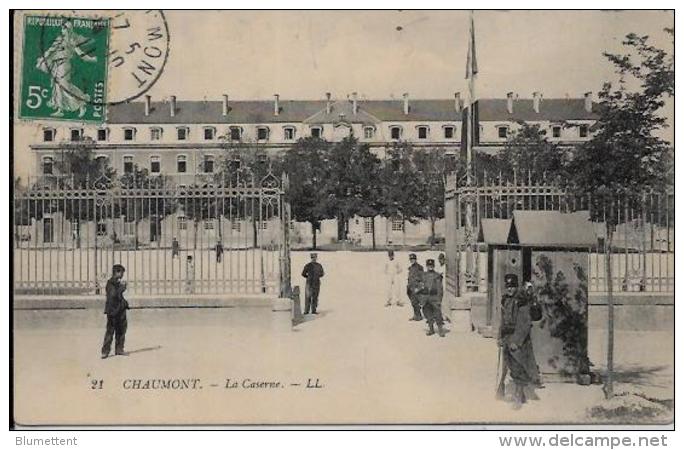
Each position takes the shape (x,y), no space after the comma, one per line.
(162,383)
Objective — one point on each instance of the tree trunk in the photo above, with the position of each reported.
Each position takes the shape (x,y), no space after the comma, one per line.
(608,387)
(373,231)
(255,233)
(432,231)
(313,234)
(341,227)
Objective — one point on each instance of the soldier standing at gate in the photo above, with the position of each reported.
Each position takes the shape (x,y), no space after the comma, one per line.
(414,286)
(115,309)
(175,248)
(313,272)
(219,251)
(516,343)
(431,299)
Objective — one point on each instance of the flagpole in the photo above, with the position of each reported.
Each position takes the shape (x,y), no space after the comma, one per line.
(471,278)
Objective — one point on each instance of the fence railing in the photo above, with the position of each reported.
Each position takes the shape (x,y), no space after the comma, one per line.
(203,238)
(643,230)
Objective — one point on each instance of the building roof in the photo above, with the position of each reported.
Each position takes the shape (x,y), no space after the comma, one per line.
(552,229)
(494,231)
(370,111)
(552,109)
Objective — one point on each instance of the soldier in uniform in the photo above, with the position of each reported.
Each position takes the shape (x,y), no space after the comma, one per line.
(219,251)
(115,309)
(414,286)
(313,272)
(431,300)
(516,343)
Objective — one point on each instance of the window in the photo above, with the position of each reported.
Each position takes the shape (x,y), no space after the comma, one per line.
(316,132)
(448,132)
(47,165)
(368,225)
(208,224)
(155,134)
(556,131)
(101,229)
(102,134)
(182,223)
(181,164)
(208,164)
(422,132)
(182,133)
(368,132)
(129,227)
(128,164)
(48,230)
(262,133)
(397,225)
(263,225)
(209,133)
(236,226)
(584,131)
(235,161)
(235,133)
(289,133)
(155,164)
(129,134)
(262,158)
(48,134)
(395,133)
(503,132)
(76,134)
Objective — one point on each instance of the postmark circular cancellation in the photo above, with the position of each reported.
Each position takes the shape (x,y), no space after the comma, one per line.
(90,62)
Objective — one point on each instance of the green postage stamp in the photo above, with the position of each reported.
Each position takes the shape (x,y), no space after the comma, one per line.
(64,68)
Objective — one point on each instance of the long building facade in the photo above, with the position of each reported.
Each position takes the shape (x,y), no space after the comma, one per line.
(185,140)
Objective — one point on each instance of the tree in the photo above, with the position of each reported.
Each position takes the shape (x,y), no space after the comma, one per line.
(85,171)
(305,163)
(625,156)
(430,166)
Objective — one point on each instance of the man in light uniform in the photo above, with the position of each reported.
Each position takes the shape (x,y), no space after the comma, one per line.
(442,270)
(393,270)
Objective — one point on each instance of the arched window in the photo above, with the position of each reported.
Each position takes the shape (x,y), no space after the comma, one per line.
(156,134)
(48,165)
(289,133)
(395,132)
(181,163)
(129,134)
(262,133)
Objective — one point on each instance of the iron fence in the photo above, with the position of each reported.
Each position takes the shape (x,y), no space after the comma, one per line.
(643,230)
(212,236)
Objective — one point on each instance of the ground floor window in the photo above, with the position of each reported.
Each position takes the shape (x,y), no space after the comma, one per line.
(397,225)
(368,225)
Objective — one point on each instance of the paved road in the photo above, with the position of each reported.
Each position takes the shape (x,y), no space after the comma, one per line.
(374,365)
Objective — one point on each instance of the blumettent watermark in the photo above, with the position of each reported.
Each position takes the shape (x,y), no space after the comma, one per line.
(54,441)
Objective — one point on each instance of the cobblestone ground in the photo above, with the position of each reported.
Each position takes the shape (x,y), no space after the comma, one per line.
(371,363)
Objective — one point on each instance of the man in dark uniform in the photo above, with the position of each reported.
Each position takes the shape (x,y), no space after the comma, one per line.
(432,299)
(313,272)
(516,342)
(115,309)
(219,251)
(175,248)
(414,286)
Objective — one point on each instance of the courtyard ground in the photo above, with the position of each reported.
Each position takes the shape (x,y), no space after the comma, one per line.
(371,363)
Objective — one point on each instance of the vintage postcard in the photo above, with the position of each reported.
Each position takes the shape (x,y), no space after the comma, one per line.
(359,218)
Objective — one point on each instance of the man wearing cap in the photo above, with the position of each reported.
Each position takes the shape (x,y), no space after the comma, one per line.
(115,309)
(313,272)
(431,300)
(516,342)
(393,269)
(414,286)
(446,309)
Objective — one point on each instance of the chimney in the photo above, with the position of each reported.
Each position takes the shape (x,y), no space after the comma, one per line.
(148,104)
(355,103)
(172,103)
(457,102)
(588,101)
(328,103)
(276,105)
(225,104)
(536,101)
(406,104)
(509,102)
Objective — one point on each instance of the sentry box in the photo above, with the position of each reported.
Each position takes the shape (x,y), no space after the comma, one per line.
(549,250)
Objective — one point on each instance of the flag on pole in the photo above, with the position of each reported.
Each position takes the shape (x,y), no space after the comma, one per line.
(470,129)
(471,62)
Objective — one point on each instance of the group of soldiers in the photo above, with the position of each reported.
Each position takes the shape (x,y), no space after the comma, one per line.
(424,288)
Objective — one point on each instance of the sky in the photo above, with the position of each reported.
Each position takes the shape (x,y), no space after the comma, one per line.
(382,54)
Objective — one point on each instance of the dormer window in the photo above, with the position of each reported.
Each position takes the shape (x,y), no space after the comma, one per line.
(556,131)
(209,133)
(289,133)
(423,132)
(235,133)
(584,131)
(395,132)
(129,134)
(502,132)
(103,134)
(262,133)
(316,132)
(449,132)
(76,134)
(48,134)
(48,164)
(155,134)
(368,132)
(182,133)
